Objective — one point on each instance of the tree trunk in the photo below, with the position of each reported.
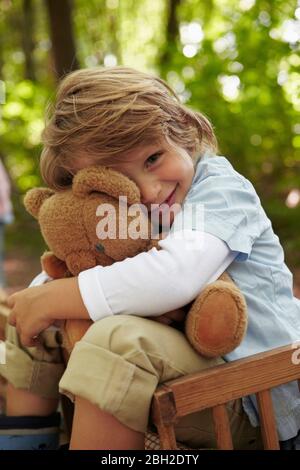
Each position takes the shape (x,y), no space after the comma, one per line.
(62,38)
(171,32)
(28,39)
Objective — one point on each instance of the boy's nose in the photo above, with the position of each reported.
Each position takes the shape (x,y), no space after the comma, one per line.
(150,192)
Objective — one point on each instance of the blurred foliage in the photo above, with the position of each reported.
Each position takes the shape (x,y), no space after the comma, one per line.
(21,125)
(235,60)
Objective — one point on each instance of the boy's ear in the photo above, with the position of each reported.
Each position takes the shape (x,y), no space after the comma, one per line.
(35,198)
(105,180)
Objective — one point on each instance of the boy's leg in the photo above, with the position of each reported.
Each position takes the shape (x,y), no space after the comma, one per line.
(31,421)
(20,402)
(127,358)
(97,429)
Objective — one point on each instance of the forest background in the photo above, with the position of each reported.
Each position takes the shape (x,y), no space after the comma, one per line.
(235,60)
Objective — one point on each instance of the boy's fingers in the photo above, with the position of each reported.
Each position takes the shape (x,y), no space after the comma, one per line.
(177,315)
(162,319)
(29,342)
(12,319)
(10,301)
(25,341)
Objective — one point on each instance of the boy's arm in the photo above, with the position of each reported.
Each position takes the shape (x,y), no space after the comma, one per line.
(150,284)
(156,282)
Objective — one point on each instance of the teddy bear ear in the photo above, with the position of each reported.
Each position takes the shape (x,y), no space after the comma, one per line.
(53,266)
(34,199)
(105,180)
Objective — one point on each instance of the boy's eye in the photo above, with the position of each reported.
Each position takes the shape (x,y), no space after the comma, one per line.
(153,159)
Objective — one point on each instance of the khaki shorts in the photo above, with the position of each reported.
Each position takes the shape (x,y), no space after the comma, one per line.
(117,366)
(37,369)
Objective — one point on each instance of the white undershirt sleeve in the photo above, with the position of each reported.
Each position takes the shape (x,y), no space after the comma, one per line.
(40,279)
(157,281)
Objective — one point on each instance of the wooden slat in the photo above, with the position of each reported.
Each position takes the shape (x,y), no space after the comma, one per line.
(230,381)
(167,437)
(4,313)
(267,420)
(164,416)
(222,427)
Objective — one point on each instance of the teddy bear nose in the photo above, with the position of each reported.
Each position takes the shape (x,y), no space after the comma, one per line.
(100,248)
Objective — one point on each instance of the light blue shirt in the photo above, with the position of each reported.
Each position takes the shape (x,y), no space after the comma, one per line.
(233,212)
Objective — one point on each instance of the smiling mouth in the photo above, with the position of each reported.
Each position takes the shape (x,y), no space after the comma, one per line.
(170,197)
(169,201)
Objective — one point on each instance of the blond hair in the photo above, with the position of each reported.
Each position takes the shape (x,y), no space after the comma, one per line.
(100,113)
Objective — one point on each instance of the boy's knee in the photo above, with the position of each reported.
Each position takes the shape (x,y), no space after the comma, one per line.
(119,333)
(144,342)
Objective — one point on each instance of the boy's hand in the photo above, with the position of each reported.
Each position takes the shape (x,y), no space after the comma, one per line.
(36,308)
(29,313)
(177,315)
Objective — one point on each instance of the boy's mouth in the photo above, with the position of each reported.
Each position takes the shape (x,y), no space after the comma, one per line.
(171,198)
(169,202)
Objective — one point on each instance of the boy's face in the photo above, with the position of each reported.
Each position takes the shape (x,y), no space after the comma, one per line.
(163,173)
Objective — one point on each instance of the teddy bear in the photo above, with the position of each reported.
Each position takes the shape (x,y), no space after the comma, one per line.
(71,225)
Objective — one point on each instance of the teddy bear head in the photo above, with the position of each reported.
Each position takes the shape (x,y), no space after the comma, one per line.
(89,223)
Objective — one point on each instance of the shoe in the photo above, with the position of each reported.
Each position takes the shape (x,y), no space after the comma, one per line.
(30,432)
